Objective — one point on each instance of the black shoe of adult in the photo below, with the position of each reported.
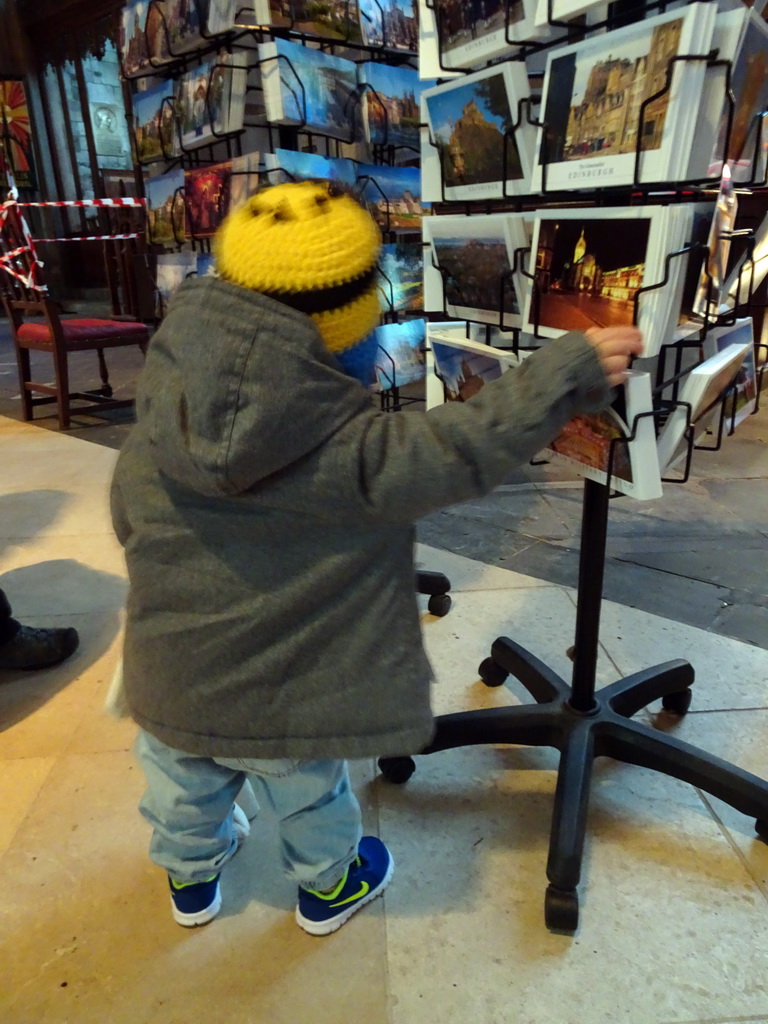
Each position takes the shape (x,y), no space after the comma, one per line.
(33,648)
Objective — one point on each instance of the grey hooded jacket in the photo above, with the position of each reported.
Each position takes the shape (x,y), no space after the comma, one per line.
(267,508)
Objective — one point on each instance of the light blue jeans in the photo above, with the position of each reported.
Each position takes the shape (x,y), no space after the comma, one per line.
(189,800)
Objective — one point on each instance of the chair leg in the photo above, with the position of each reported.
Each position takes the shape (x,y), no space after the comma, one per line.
(25,376)
(61,370)
(106,389)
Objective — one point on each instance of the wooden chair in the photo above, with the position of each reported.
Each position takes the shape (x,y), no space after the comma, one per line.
(25,296)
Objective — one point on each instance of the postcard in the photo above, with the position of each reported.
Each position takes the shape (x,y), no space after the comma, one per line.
(143,37)
(393,24)
(165,208)
(206,198)
(297,165)
(308,88)
(468,268)
(394,196)
(390,104)
(400,353)
(154,130)
(583,278)
(172,269)
(245,179)
(749,84)
(697,403)
(206,264)
(186,23)
(401,276)
(431,64)
(222,15)
(744,399)
(463,366)
(593,94)
(472,34)
(210,100)
(749,268)
(482,151)
(598,445)
(332,19)
(710,291)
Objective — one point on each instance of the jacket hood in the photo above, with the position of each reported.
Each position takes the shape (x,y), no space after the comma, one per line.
(237,387)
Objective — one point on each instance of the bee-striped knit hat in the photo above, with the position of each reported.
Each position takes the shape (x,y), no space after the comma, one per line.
(312,246)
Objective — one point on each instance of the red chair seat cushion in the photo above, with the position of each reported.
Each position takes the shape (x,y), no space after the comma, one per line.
(84,330)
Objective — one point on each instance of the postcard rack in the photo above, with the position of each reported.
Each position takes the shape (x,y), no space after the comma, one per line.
(581,721)
(584,723)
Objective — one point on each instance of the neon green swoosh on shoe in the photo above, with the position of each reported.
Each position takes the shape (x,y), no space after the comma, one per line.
(362,891)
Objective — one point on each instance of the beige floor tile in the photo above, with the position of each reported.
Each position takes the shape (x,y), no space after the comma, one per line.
(729,674)
(20,783)
(541,619)
(672,927)
(740,738)
(32,461)
(467,574)
(55,510)
(51,575)
(91,937)
(41,712)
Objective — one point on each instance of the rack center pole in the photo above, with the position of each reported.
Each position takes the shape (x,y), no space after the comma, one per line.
(594,529)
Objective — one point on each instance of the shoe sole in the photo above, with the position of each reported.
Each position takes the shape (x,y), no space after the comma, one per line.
(334,923)
(201,917)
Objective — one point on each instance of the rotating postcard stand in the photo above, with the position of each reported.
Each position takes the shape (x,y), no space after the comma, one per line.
(583,723)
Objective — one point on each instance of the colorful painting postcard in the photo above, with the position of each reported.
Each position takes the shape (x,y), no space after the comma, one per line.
(472,123)
(143,40)
(400,354)
(401,276)
(312,90)
(172,269)
(206,198)
(394,196)
(331,19)
(210,99)
(154,126)
(245,179)
(393,24)
(390,104)
(165,208)
(464,367)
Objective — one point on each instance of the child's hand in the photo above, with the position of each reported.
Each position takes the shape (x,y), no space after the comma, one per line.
(615,346)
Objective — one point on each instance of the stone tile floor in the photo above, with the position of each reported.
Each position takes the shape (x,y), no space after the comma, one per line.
(674,894)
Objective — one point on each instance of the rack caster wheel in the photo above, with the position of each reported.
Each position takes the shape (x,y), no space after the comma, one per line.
(561,909)
(677,703)
(397,769)
(761,827)
(491,673)
(439,604)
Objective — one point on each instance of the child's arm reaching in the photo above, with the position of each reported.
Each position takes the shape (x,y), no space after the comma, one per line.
(402,467)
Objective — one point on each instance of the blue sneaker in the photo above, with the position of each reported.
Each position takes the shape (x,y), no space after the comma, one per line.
(322,913)
(195,903)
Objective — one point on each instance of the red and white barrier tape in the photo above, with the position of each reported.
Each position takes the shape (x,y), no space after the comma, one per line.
(90,238)
(6,259)
(127,201)
(28,279)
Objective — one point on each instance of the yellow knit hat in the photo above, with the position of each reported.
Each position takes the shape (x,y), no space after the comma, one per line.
(310,245)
